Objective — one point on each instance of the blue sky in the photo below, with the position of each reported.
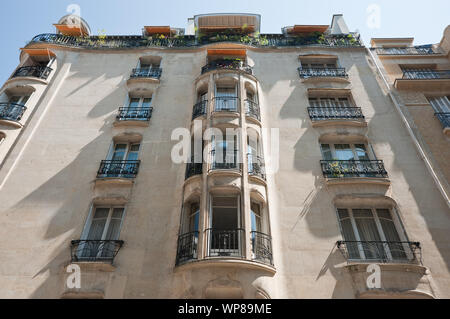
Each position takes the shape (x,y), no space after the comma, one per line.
(20,20)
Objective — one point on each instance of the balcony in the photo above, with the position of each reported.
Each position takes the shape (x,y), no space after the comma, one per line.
(225,243)
(422,80)
(187,247)
(335,113)
(322,72)
(406,51)
(102,251)
(199,109)
(139,41)
(119,169)
(335,169)
(11,111)
(154,73)
(262,247)
(252,110)
(444,118)
(134,114)
(225,160)
(226,104)
(256,166)
(193,169)
(232,64)
(37,71)
(381,251)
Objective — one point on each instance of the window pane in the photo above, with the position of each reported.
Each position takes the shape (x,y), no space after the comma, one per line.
(119,152)
(147,102)
(14,99)
(133,153)
(114,226)
(343,152)
(360,150)
(368,233)
(134,102)
(326,152)
(25,99)
(396,248)
(98,224)
(224,215)
(348,234)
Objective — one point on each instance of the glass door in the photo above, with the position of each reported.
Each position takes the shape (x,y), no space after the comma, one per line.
(225,99)
(224,232)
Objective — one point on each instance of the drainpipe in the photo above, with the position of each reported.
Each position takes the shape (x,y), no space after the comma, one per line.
(419,148)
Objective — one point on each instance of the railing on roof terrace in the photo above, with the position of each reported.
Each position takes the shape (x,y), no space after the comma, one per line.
(133,41)
(419,50)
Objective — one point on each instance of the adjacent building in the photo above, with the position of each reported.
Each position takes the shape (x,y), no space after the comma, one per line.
(325,173)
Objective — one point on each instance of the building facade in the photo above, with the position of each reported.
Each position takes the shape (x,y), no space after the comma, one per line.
(319,180)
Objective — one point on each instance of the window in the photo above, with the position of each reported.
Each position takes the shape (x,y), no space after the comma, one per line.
(225,233)
(226,98)
(122,161)
(19,99)
(102,229)
(255,216)
(344,152)
(371,234)
(137,107)
(225,153)
(440,104)
(148,65)
(194,217)
(330,102)
(202,97)
(319,65)
(124,152)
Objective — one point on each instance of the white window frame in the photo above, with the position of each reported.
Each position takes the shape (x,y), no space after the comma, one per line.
(92,211)
(141,101)
(126,152)
(214,252)
(397,223)
(369,151)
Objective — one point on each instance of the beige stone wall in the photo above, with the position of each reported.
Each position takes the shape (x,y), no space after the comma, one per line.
(48,185)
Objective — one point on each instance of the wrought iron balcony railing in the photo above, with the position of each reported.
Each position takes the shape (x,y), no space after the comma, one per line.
(262,247)
(226,104)
(138,41)
(134,113)
(335,113)
(352,168)
(256,166)
(381,251)
(95,250)
(146,73)
(199,109)
(444,118)
(426,74)
(225,160)
(236,65)
(37,71)
(252,109)
(322,72)
(193,169)
(187,247)
(11,111)
(406,51)
(225,242)
(115,168)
